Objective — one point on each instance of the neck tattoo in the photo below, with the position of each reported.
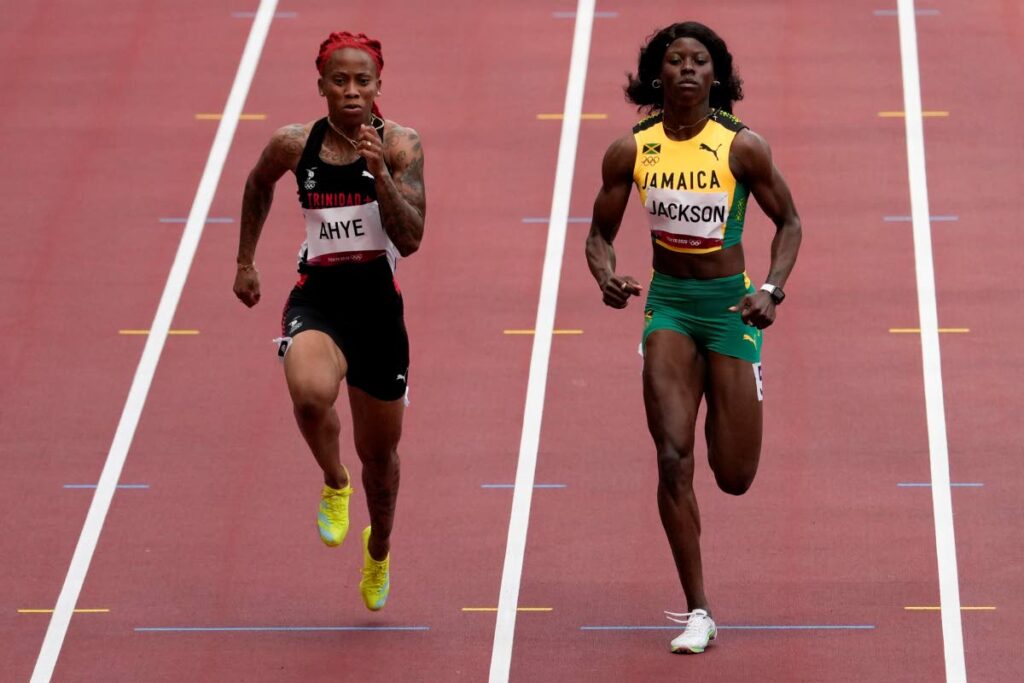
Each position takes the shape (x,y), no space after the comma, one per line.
(355,145)
(677,129)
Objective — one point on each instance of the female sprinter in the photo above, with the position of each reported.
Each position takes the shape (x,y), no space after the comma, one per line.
(360,184)
(694,165)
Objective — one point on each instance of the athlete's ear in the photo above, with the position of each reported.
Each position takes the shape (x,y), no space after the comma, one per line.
(380,87)
(320,86)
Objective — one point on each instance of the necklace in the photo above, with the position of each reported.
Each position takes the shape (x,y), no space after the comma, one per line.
(355,145)
(676,129)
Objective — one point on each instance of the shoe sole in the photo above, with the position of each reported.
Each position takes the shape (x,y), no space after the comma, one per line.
(693,650)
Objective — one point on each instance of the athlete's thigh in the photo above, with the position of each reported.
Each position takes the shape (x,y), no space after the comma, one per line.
(314,366)
(376,424)
(733,427)
(673,385)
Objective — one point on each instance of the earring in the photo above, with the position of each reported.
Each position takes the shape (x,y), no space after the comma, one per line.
(656,83)
(714,83)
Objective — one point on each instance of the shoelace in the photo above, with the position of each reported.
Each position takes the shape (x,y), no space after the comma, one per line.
(334,500)
(686,618)
(375,575)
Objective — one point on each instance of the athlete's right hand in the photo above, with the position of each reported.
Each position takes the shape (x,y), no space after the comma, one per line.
(616,290)
(247,286)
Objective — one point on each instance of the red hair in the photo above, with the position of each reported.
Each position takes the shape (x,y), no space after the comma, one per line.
(359,41)
(341,39)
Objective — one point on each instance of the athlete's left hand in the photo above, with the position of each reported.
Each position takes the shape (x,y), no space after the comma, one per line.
(757,309)
(371,148)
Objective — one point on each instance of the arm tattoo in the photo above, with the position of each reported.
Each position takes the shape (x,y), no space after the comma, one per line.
(281,154)
(401,195)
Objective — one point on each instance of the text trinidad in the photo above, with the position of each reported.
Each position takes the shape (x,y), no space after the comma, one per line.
(330,200)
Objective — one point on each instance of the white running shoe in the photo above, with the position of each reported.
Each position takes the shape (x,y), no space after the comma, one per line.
(700,630)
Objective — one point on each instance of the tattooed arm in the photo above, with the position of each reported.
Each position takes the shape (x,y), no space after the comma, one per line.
(400,191)
(281,154)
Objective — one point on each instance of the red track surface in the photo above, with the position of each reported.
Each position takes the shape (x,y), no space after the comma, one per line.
(99,122)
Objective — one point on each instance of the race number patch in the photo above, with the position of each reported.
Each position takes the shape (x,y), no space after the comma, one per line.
(283,344)
(687,220)
(758,379)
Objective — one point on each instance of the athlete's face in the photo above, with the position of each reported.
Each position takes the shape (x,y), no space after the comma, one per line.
(687,71)
(350,83)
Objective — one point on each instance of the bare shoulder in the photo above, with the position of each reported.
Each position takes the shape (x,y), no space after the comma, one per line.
(620,158)
(287,143)
(402,146)
(283,152)
(749,142)
(397,136)
(750,154)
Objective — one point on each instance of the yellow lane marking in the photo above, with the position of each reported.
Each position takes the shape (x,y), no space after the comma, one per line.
(50,611)
(901,114)
(518,609)
(241,117)
(552,332)
(936,608)
(178,332)
(917,330)
(559,117)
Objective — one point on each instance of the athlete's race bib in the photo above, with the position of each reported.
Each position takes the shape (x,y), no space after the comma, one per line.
(345,233)
(687,220)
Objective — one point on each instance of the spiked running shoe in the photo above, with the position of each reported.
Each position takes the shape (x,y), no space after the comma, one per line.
(332,517)
(376,580)
(700,630)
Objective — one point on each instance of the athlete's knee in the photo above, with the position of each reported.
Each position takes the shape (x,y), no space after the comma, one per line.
(675,465)
(311,403)
(378,459)
(735,484)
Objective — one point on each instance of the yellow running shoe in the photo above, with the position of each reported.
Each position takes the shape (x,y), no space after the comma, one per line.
(332,518)
(376,580)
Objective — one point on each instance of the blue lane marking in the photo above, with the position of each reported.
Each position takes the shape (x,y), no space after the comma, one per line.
(545,219)
(597,15)
(906,219)
(120,486)
(212,219)
(202,629)
(764,627)
(925,484)
(512,486)
(277,15)
(919,12)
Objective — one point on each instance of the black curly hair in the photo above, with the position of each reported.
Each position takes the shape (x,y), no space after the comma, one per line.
(639,90)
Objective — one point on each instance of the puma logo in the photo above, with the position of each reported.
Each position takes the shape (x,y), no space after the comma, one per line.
(750,339)
(400,378)
(713,151)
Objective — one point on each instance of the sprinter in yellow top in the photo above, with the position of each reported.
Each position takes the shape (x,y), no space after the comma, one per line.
(694,165)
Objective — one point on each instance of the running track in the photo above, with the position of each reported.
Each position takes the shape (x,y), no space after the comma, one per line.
(102,141)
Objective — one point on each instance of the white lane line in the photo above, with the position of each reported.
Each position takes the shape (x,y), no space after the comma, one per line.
(504,630)
(80,561)
(942,503)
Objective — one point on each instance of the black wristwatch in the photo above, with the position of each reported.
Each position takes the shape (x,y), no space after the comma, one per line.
(775,292)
